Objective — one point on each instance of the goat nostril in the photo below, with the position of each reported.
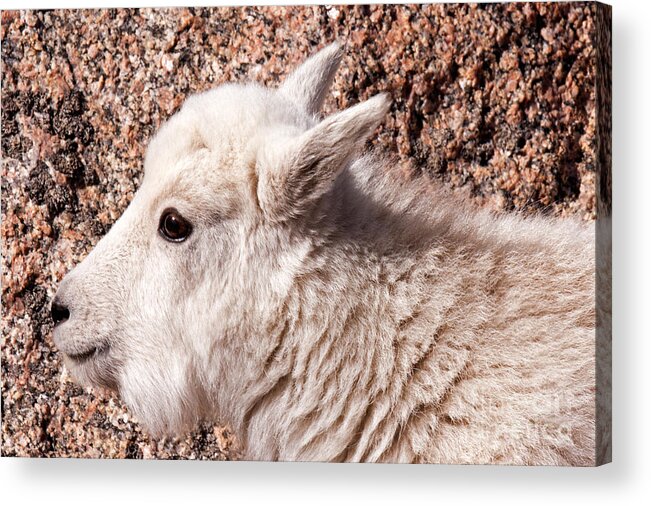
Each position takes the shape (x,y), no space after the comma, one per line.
(60,313)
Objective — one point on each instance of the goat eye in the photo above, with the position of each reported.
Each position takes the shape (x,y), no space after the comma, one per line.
(173,226)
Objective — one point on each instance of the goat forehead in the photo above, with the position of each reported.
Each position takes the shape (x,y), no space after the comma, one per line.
(225,121)
(231,115)
(196,187)
(211,144)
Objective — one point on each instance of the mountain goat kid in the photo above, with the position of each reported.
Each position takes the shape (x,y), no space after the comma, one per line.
(268,275)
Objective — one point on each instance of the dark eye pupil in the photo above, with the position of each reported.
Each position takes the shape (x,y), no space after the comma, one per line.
(173,226)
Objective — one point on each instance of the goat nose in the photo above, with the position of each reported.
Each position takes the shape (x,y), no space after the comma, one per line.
(60,312)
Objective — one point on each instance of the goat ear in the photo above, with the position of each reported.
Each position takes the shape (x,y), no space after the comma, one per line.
(309,83)
(295,176)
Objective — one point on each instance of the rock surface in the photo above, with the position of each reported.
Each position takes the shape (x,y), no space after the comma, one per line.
(497,101)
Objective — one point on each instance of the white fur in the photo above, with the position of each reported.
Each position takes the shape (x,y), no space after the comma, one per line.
(328,308)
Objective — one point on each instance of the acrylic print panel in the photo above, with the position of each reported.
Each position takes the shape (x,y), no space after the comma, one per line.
(386,250)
